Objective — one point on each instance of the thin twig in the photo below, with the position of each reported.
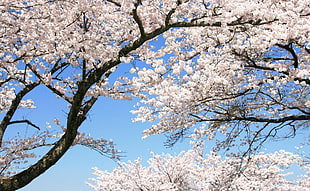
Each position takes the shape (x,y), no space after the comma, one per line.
(24,121)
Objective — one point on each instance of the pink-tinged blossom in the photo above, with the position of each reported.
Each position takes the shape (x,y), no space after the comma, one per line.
(253,69)
(217,68)
(192,170)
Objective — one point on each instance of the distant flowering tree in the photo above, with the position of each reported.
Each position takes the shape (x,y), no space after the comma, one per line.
(238,68)
(192,171)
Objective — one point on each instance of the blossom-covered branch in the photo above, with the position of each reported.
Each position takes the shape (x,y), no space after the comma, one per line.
(218,60)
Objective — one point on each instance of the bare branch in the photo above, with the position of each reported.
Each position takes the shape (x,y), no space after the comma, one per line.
(114,2)
(137,19)
(257,119)
(24,121)
(290,49)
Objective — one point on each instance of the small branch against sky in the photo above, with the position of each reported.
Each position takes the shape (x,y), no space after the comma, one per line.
(25,121)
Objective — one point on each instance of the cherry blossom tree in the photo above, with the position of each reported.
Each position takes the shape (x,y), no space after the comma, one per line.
(240,68)
(192,171)
(247,79)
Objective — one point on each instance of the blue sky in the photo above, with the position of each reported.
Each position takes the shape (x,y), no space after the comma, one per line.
(109,119)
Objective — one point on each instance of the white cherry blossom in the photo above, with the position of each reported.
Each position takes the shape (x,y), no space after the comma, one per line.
(201,68)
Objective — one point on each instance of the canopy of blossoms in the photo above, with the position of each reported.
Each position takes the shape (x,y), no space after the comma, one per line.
(212,68)
(192,171)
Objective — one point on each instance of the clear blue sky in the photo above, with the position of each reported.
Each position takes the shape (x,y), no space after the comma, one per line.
(109,119)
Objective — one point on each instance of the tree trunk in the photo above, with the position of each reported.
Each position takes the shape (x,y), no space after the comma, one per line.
(75,119)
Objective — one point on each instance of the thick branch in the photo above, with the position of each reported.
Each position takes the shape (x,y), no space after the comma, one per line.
(257,119)
(168,17)
(3,81)
(14,106)
(291,51)
(197,23)
(26,176)
(75,119)
(115,3)
(137,19)
(252,64)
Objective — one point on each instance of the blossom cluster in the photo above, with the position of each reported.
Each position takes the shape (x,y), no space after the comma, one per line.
(192,171)
(235,68)
(247,76)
